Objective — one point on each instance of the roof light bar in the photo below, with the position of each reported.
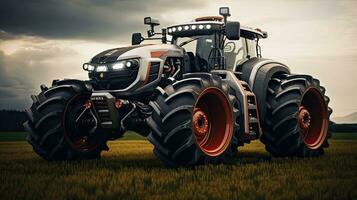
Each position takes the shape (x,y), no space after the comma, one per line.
(194,29)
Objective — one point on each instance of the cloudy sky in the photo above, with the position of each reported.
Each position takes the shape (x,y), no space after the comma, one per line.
(42,40)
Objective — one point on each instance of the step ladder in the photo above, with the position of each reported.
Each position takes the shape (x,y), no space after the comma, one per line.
(252,128)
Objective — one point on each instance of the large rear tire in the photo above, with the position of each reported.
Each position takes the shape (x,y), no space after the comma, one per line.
(194,121)
(297,116)
(51,127)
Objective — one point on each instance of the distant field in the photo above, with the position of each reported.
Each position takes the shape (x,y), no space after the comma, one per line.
(344,136)
(130,171)
(21,136)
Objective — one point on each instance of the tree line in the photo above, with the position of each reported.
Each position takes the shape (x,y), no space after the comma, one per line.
(12,120)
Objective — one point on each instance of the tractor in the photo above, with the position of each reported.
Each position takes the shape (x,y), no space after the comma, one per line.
(197,91)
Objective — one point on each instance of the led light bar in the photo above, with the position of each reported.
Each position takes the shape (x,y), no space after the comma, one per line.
(194,29)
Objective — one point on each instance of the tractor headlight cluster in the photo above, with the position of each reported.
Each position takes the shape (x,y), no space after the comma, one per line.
(116,66)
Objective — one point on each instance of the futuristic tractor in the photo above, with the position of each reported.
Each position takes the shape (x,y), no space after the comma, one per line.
(197,96)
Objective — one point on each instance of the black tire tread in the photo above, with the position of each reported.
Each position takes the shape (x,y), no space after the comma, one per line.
(281,134)
(171,134)
(44,124)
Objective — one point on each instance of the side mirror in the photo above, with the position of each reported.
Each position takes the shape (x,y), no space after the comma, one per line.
(136,38)
(233,30)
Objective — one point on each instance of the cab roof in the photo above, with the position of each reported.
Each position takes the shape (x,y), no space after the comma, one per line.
(215,23)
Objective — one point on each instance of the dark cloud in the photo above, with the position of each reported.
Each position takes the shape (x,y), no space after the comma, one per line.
(39,38)
(41,61)
(84,19)
(22,72)
(11,90)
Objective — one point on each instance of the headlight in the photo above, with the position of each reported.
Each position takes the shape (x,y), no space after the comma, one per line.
(91,68)
(131,63)
(88,67)
(118,66)
(102,68)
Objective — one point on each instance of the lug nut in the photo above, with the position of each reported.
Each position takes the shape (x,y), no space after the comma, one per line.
(88,104)
(118,104)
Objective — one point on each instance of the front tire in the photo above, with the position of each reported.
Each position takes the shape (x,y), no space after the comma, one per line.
(194,121)
(297,116)
(51,127)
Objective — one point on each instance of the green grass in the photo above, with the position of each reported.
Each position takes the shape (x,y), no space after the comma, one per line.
(21,136)
(12,136)
(344,136)
(130,171)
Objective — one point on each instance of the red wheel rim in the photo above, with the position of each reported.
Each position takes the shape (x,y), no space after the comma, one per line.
(313,118)
(212,122)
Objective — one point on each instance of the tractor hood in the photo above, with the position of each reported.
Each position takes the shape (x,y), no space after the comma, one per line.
(112,55)
(144,50)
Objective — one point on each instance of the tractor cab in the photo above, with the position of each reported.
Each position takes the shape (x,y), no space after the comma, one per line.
(210,42)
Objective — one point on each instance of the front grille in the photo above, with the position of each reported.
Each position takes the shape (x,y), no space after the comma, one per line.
(114,80)
(104,116)
(154,71)
(101,106)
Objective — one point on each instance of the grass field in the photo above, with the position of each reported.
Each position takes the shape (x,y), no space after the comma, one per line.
(21,136)
(130,171)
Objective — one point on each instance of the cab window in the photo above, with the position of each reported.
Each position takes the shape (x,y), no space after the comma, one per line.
(233,53)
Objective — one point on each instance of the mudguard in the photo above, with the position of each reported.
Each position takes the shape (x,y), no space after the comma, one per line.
(257,72)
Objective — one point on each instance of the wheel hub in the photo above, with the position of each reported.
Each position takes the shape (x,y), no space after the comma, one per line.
(200,122)
(87,104)
(304,118)
(212,122)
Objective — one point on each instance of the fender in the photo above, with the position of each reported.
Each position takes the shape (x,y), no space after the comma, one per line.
(257,72)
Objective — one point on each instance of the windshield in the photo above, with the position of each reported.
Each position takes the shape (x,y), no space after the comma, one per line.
(202,47)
